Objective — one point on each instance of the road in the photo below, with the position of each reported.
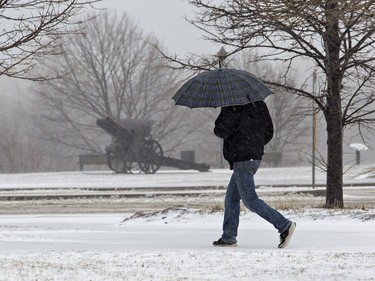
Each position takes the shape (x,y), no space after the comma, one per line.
(78,200)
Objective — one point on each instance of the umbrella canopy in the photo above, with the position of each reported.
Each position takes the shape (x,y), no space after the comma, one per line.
(222,87)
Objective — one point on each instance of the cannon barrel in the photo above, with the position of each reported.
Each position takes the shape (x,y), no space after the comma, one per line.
(113,128)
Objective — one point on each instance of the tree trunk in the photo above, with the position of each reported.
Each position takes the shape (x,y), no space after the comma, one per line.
(333,114)
(334,198)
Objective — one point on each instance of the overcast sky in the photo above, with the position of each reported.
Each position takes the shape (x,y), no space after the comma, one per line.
(166,20)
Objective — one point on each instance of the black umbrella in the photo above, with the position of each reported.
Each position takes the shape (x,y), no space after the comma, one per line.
(222,87)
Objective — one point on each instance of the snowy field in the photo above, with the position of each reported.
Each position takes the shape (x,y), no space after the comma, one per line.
(175,244)
(177,178)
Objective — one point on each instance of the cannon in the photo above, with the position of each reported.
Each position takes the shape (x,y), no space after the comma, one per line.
(133,146)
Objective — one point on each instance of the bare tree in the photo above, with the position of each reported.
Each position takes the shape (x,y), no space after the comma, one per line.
(113,71)
(336,38)
(32,29)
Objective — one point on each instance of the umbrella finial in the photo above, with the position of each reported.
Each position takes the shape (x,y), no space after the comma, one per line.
(222,54)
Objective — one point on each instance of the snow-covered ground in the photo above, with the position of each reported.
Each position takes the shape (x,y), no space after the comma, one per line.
(175,244)
(177,178)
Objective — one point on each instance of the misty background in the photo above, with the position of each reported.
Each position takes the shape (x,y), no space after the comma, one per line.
(45,126)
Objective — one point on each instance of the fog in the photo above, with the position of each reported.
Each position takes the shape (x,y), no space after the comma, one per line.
(165,19)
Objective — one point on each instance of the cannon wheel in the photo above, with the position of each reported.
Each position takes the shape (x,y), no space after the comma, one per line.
(116,164)
(152,155)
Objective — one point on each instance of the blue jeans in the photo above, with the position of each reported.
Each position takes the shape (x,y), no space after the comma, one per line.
(241,186)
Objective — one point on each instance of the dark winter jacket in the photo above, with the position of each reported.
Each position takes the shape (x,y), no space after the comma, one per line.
(245,130)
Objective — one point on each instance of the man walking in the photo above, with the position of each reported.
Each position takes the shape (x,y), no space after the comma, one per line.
(245,130)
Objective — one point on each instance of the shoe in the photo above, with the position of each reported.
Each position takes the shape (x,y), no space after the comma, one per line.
(287,235)
(222,243)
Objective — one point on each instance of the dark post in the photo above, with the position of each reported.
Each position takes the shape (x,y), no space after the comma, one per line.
(358,157)
(222,54)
